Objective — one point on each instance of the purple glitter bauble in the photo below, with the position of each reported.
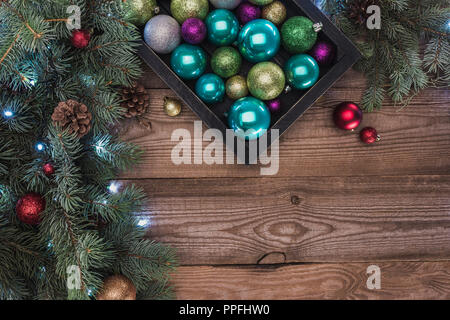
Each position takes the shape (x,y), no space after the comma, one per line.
(193,31)
(247,12)
(274,105)
(323,52)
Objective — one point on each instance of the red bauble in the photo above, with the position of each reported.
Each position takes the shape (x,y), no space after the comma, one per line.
(29,207)
(80,38)
(48,169)
(347,116)
(369,135)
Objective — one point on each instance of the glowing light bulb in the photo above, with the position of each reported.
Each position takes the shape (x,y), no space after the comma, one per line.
(113,187)
(8,113)
(143,222)
(40,146)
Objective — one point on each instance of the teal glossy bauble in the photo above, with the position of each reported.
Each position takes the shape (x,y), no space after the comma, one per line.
(223,27)
(249,118)
(210,88)
(301,71)
(188,61)
(259,40)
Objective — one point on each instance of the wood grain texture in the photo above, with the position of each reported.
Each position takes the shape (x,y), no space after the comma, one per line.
(399,280)
(415,140)
(301,219)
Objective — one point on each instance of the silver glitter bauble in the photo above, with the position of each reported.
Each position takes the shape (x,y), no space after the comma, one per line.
(225,4)
(162,33)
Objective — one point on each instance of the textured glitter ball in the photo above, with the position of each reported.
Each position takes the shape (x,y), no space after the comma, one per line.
(29,207)
(247,12)
(236,87)
(117,287)
(185,9)
(193,31)
(266,80)
(323,52)
(226,62)
(162,33)
(275,12)
(298,34)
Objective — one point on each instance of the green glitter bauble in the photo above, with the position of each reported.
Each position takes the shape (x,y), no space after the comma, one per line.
(184,9)
(139,12)
(298,35)
(266,80)
(274,12)
(236,87)
(261,2)
(226,62)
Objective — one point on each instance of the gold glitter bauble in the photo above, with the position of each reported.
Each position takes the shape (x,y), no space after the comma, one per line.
(172,106)
(117,287)
(236,87)
(185,9)
(274,12)
(266,80)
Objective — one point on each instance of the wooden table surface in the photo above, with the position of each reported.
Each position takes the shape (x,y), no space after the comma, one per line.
(335,207)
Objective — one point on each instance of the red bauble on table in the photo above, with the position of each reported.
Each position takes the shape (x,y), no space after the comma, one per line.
(347,116)
(29,207)
(48,169)
(369,135)
(80,38)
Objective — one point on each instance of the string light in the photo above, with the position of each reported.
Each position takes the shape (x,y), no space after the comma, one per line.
(143,222)
(40,146)
(8,114)
(114,187)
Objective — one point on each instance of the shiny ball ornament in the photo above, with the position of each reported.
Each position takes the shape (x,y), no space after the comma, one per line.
(139,12)
(223,27)
(162,33)
(210,88)
(188,61)
(274,105)
(275,12)
(369,135)
(261,2)
(302,71)
(247,12)
(29,207)
(193,31)
(172,107)
(236,87)
(80,38)
(249,118)
(226,62)
(226,4)
(266,80)
(184,9)
(48,169)
(259,40)
(298,34)
(323,52)
(347,116)
(117,287)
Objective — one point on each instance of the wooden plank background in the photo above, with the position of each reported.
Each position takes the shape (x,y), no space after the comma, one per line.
(335,207)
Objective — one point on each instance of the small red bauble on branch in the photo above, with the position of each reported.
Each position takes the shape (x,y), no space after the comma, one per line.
(347,116)
(48,169)
(80,38)
(29,207)
(369,135)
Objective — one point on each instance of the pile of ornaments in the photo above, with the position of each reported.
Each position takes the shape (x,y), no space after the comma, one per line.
(254,31)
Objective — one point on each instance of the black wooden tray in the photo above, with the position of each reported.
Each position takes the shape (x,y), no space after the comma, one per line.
(294,103)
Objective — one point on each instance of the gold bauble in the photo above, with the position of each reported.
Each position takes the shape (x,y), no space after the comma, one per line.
(236,87)
(172,106)
(274,12)
(117,287)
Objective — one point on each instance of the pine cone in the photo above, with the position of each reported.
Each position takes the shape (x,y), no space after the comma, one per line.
(136,100)
(74,116)
(357,10)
